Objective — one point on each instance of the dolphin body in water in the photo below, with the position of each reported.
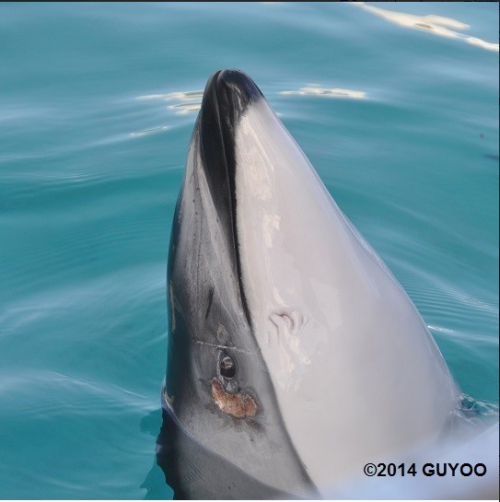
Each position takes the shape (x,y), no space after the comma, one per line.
(294,357)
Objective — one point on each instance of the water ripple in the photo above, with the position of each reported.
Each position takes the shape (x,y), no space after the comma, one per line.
(183,102)
(437,25)
(317,90)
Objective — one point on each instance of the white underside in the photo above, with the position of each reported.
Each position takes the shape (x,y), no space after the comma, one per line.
(356,373)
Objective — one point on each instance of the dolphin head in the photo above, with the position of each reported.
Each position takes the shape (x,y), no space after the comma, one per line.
(294,355)
(218,387)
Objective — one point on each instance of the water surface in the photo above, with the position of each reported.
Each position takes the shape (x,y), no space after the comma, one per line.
(97,104)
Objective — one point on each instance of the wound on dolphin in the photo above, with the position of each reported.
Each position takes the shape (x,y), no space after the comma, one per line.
(239,405)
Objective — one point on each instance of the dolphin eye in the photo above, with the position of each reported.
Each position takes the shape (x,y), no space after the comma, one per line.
(227,367)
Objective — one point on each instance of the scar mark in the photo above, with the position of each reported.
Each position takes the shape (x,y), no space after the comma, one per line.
(217,346)
(210,300)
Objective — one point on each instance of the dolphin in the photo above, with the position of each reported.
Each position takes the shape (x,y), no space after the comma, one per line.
(294,355)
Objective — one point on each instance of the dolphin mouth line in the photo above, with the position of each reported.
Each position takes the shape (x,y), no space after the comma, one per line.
(226,98)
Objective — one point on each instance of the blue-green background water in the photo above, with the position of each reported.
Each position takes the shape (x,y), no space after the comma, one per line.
(89,176)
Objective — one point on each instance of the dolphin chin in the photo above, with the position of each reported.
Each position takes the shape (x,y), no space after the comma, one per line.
(294,355)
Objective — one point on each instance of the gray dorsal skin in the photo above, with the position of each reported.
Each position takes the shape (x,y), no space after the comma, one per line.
(205,451)
(194,472)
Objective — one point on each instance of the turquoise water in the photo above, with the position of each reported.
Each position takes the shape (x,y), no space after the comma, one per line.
(92,148)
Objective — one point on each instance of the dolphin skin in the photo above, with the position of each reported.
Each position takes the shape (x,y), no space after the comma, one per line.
(294,355)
